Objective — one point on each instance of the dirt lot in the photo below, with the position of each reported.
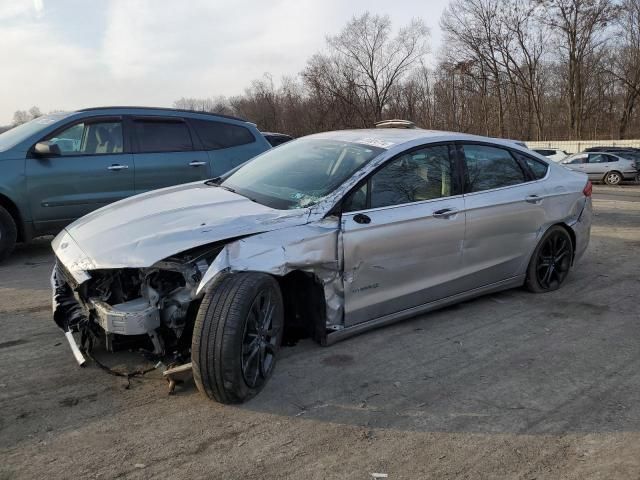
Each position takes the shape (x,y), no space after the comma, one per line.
(511,385)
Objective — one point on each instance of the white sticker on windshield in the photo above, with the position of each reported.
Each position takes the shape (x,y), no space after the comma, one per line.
(374,142)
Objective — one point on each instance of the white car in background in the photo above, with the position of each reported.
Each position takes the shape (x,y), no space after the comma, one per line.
(551,153)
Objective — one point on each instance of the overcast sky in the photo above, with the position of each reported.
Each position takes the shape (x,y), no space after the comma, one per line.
(67,54)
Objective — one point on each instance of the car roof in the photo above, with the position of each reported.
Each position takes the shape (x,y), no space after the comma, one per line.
(160,110)
(393,137)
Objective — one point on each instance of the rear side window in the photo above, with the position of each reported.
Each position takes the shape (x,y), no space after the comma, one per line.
(217,135)
(491,167)
(611,158)
(538,168)
(545,153)
(599,158)
(162,136)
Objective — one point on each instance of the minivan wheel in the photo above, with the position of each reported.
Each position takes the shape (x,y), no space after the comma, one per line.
(550,262)
(8,234)
(612,178)
(236,336)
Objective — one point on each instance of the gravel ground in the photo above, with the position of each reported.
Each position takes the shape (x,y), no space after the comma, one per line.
(511,385)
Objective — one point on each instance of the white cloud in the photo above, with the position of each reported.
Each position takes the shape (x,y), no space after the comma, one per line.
(38,7)
(151,52)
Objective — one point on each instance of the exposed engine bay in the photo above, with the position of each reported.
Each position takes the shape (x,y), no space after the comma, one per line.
(157,302)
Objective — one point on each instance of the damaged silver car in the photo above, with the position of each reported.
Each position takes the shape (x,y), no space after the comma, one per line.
(326,236)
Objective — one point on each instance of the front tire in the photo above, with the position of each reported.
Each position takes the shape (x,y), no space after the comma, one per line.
(550,262)
(613,178)
(236,337)
(8,234)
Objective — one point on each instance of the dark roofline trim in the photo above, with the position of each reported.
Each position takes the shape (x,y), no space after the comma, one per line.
(164,109)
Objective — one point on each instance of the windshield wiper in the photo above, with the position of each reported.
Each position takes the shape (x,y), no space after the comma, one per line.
(214,182)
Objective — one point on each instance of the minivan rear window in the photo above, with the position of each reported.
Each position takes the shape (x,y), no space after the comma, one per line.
(216,135)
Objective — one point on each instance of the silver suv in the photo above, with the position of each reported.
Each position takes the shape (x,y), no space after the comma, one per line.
(602,167)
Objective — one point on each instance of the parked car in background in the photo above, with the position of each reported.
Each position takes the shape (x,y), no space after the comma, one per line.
(603,167)
(552,153)
(332,234)
(276,139)
(611,149)
(62,166)
(627,153)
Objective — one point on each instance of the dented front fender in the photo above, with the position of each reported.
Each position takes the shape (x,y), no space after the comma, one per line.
(312,248)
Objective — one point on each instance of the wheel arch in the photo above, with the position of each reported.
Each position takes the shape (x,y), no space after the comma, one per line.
(572,235)
(13,210)
(563,225)
(305,306)
(304,302)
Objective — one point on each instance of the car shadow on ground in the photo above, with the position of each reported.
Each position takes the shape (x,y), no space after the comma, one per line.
(35,252)
(511,362)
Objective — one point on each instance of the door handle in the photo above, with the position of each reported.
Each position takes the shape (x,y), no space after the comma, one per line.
(533,199)
(445,213)
(361,218)
(196,163)
(117,166)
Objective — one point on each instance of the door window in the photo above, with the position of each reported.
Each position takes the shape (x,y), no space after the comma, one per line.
(217,135)
(598,158)
(100,138)
(162,136)
(417,176)
(491,167)
(576,160)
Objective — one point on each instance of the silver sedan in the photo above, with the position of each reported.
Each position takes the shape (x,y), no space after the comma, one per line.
(326,236)
(603,167)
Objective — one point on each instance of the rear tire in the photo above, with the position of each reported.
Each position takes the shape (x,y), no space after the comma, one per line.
(8,234)
(613,178)
(236,337)
(551,261)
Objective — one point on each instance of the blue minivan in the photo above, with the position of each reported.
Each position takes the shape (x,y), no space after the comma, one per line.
(61,166)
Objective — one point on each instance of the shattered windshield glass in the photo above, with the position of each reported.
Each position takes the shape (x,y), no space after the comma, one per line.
(299,173)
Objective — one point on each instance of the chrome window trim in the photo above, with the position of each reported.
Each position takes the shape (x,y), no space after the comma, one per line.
(388,207)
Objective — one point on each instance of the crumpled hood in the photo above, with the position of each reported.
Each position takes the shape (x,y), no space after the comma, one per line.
(142,230)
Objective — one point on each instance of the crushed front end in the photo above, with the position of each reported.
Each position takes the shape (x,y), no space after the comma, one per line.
(152,308)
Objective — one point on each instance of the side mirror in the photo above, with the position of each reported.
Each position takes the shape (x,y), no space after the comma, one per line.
(47,149)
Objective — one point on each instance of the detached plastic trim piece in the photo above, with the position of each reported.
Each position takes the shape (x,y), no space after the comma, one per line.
(75,349)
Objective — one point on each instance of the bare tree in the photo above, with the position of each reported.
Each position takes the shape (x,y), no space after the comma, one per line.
(625,61)
(503,71)
(218,104)
(580,25)
(472,28)
(20,117)
(366,60)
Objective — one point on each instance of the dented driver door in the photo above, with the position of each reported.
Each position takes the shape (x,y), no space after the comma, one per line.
(402,236)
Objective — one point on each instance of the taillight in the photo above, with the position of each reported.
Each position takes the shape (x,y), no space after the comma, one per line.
(588,189)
